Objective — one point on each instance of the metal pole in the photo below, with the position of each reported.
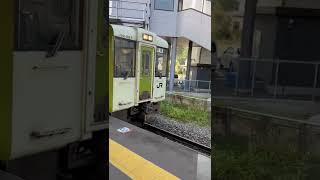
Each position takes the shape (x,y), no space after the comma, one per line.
(237,78)
(173,63)
(253,76)
(315,82)
(276,80)
(197,85)
(247,42)
(117,8)
(189,60)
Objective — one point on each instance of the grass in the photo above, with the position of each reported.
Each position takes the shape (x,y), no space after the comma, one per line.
(233,160)
(185,114)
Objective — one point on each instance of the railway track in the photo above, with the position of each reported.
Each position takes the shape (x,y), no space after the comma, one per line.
(189,143)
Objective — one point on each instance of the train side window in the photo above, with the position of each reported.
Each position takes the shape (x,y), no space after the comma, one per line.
(161,62)
(124,60)
(48,25)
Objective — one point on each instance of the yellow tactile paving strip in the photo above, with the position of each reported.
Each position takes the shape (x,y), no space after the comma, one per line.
(135,166)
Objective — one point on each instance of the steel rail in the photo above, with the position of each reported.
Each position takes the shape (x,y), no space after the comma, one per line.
(187,142)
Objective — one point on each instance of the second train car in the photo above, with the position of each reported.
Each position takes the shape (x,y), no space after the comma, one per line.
(137,70)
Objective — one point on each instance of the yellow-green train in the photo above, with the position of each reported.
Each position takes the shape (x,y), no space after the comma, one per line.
(58,86)
(137,69)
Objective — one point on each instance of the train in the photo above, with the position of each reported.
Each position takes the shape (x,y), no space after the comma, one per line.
(59,85)
(137,66)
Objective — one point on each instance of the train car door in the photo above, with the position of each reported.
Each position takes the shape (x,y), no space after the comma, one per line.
(159,85)
(47,75)
(146,72)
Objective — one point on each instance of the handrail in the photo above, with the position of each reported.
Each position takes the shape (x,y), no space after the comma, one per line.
(277,60)
(187,9)
(201,10)
(129,9)
(138,13)
(281,118)
(128,2)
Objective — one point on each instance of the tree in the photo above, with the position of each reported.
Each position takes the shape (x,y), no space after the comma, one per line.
(182,53)
(228,5)
(222,21)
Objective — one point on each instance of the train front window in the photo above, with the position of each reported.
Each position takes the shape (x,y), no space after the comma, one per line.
(48,25)
(124,58)
(161,62)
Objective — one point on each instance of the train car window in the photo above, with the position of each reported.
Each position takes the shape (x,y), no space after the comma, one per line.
(146,63)
(45,25)
(124,60)
(161,62)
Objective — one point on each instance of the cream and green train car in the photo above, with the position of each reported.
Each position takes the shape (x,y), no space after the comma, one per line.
(137,67)
(53,75)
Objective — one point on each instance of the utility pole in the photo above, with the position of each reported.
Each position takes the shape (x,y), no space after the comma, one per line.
(247,42)
(189,60)
(173,63)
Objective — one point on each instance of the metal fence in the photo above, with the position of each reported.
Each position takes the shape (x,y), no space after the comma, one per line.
(269,78)
(196,86)
(129,10)
(268,132)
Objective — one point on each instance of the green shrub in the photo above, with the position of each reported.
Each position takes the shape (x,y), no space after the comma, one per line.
(233,160)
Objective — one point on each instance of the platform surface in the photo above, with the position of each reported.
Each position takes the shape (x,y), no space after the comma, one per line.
(139,154)
(7,176)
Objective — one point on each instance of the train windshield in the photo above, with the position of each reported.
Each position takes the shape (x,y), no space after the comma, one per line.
(161,62)
(124,58)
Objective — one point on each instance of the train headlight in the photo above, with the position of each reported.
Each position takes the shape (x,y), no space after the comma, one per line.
(147,37)
(150,38)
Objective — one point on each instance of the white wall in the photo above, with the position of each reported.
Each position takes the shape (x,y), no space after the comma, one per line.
(164,23)
(195,26)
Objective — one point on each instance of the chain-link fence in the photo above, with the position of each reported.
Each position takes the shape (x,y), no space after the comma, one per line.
(195,86)
(268,78)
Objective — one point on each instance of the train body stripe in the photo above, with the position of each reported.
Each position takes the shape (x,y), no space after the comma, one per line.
(6,73)
(135,166)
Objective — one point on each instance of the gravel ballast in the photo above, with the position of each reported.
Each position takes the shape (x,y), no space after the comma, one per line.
(190,131)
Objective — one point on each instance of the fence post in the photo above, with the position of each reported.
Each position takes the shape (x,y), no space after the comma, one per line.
(315,82)
(197,85)
(276,80)
(237,78)
(253,77)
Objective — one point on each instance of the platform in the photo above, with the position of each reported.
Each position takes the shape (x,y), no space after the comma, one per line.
(140,154)
(7,176)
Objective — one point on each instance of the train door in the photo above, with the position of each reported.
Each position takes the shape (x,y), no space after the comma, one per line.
(159,86)
(146,72)
(47,74)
